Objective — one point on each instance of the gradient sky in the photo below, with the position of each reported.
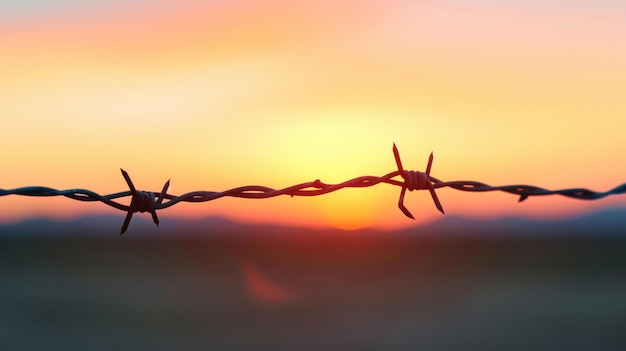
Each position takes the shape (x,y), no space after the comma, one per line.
(219,94)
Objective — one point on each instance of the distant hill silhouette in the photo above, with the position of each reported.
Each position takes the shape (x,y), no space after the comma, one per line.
(606,223)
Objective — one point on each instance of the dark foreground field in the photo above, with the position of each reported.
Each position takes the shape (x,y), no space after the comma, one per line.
(228,287)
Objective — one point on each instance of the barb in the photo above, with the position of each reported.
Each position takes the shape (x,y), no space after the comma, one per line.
(145,201)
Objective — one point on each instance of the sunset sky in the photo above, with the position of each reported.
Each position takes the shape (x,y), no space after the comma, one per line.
(219,94)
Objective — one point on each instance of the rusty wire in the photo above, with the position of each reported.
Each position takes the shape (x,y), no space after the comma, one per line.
(147,201)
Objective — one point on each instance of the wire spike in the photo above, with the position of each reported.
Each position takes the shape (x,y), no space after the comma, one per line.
(128,180)
(163,192)
(433,194)
(396,155)
(401,204)
(129,216)
(155,218)
(430,163)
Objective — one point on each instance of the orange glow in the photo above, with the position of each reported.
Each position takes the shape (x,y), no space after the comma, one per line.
(224,94)
(261,288)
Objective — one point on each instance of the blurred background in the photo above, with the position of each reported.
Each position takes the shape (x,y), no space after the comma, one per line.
(213,284)
(218,94)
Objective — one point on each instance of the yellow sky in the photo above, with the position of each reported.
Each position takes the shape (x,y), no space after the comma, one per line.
(225,94)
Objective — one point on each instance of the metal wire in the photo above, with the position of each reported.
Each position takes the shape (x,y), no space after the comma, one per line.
(147,201)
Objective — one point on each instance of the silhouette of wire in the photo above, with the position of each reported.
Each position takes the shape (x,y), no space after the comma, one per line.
(146,201)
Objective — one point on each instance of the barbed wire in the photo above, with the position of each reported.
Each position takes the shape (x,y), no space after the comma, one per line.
(147,201)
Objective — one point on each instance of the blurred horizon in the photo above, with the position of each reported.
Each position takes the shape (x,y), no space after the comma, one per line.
(604,223)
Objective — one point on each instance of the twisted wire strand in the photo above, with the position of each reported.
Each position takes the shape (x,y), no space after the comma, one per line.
(146,201)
